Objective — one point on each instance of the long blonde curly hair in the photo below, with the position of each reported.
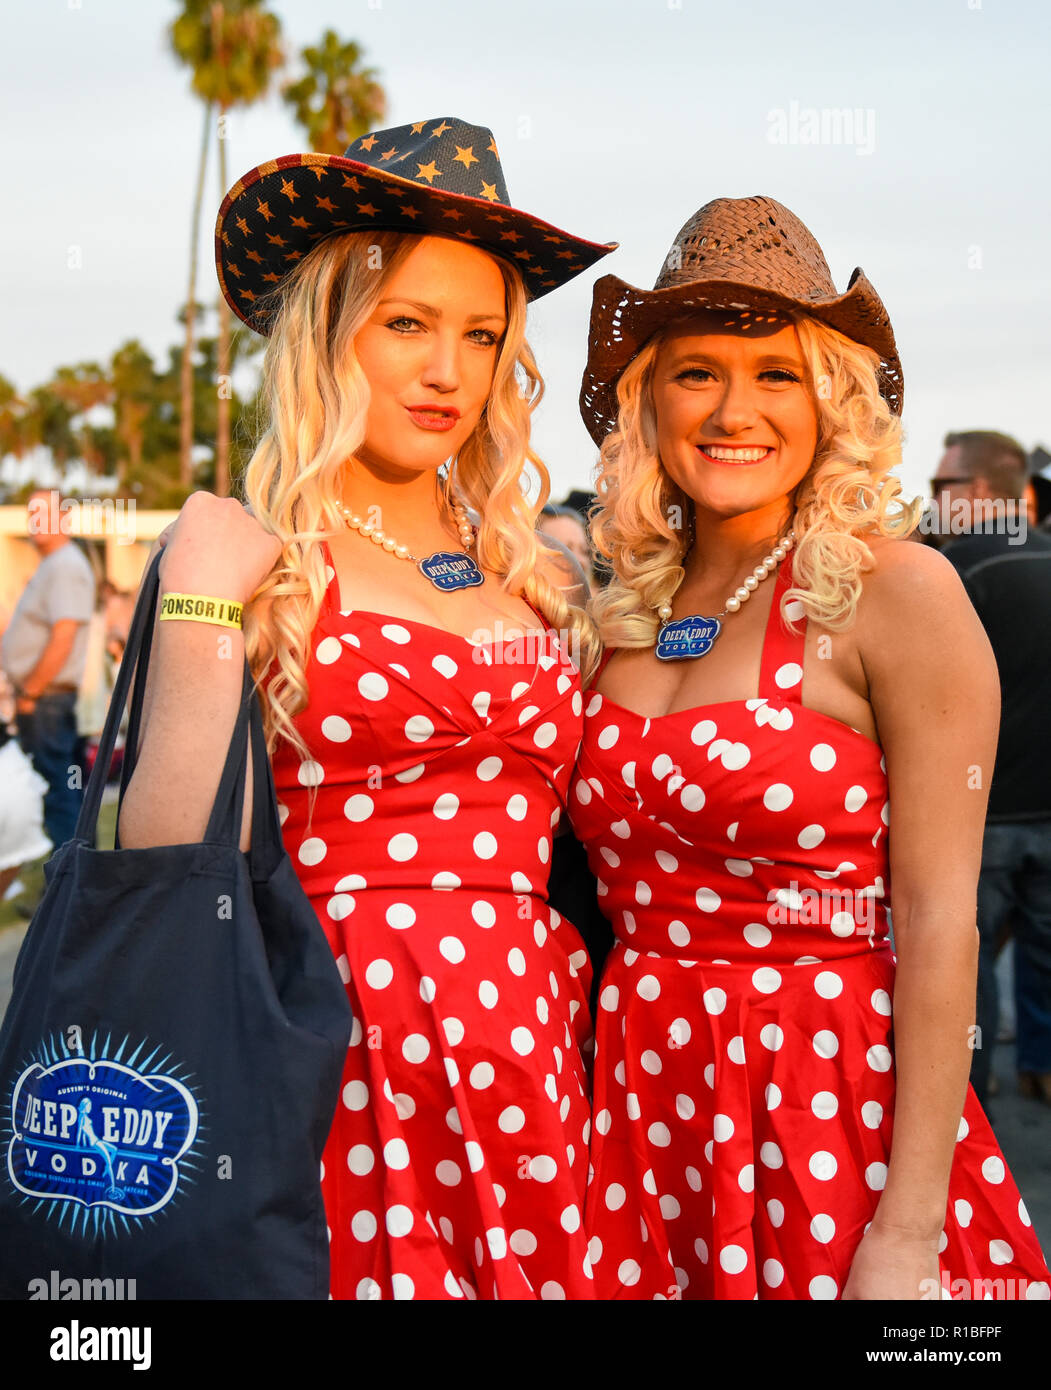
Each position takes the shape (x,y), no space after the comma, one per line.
(315,399)
(847,494)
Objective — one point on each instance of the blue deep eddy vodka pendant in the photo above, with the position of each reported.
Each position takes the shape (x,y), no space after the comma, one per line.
(450,569)
(687,638)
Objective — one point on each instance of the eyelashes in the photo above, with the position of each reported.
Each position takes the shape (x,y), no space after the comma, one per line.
(482,337)
(779,374)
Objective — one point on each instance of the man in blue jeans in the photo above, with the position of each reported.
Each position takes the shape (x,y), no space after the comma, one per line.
(1006,569)
(43,654)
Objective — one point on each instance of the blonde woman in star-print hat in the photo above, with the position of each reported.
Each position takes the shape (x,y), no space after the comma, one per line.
(414,643)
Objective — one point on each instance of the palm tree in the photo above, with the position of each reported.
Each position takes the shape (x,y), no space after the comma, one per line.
(49,422)
(185,34)
(134,397)
(233,47)
(336,101)
(81,388)
(14,431)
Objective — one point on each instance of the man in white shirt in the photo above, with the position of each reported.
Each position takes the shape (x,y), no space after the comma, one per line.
(43,653)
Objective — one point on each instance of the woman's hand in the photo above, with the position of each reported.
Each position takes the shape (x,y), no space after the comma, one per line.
(216,547)
(895,1265)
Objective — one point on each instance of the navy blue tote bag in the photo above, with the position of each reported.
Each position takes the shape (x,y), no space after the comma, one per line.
(171,1057)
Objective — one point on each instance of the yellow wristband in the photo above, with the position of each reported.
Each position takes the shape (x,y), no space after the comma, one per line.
(202,609)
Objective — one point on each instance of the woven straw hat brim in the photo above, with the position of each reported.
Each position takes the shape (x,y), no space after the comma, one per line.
(624,318)
(275,213)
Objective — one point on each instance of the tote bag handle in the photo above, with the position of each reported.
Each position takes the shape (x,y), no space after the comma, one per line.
(224,823)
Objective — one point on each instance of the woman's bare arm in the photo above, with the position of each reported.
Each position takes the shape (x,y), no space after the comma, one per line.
(195,678)
(935,694)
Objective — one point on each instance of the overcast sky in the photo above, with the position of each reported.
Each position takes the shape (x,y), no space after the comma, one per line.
(615,119)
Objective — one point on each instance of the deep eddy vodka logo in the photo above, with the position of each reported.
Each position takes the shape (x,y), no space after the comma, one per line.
(101,1138)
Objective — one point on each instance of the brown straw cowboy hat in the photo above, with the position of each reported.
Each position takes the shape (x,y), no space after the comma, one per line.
(750,257)
(439,176)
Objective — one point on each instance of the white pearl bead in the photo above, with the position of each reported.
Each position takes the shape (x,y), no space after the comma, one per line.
(778,552)
(402,552)
(732,605)
(759,573)
(664,612)
(389,543)
(366,528)
(751,583)
(742,594)
(377,537)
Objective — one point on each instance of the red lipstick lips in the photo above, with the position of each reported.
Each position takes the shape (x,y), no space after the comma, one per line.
(433,417)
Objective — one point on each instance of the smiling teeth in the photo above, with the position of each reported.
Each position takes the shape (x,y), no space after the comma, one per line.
(715,451)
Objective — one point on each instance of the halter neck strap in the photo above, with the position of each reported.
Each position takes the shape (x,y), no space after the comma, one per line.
(781,667)
(603,663)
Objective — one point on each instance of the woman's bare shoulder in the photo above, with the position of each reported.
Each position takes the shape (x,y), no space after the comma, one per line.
(916,627)
(908,581)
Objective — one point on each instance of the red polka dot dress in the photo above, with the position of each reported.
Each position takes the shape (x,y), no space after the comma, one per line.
(457,1161)
(744,1083)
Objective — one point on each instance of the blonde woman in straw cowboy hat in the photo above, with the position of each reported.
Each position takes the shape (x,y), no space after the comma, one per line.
(794,713)
(421,706)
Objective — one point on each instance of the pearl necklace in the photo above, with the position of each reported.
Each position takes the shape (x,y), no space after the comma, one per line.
(695,635)
(445,569)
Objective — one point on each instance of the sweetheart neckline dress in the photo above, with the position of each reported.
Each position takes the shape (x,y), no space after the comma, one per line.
(744,1066)
(457,1160)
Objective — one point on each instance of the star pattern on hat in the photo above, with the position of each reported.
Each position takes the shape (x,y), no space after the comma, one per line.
(451,172)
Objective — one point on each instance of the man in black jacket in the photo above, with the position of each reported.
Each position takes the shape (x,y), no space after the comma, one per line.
(1006,569)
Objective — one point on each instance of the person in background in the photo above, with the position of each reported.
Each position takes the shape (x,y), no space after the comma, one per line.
(1008,579)
(107,635)
(1038,489)
(95,684)
(43,654)
(22,838)
(565,524)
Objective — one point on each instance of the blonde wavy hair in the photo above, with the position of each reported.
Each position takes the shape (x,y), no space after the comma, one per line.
(847,494)
(315,399)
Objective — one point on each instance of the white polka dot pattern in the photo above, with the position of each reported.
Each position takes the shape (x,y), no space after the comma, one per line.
(440,772)
(744,1070)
